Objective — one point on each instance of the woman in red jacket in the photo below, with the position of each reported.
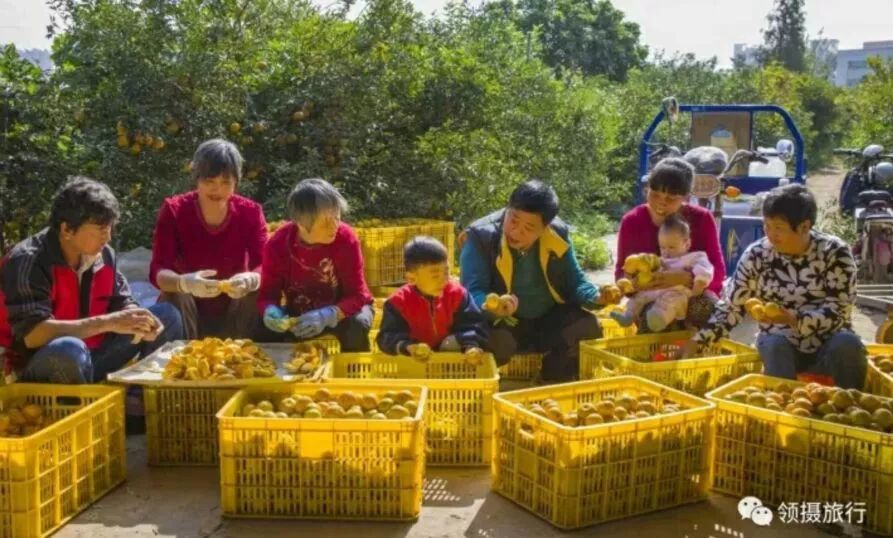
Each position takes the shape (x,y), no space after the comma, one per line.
(315,262)
(207,248)
(669,187)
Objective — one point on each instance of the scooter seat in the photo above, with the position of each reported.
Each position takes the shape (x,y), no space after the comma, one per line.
(880,215)
(866,197)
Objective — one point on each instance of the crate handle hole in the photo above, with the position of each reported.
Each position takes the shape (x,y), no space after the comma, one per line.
(69,401)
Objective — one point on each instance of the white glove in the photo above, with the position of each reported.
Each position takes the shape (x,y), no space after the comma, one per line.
(241,285)
(199,285)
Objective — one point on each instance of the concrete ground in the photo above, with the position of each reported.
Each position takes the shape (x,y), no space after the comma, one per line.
(159,501)
(457,503)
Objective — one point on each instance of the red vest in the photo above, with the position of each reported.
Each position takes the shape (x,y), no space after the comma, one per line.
(429,318)
(65,297)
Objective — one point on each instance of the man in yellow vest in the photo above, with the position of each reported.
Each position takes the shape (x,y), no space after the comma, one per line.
(523,253)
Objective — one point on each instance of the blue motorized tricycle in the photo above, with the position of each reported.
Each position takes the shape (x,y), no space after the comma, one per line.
(733,188)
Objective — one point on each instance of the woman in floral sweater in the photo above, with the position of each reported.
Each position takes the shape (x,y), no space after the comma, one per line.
(812,277)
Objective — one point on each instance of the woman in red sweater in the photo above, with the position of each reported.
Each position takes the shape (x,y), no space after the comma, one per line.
(315,262)
(669,187)
(207,248)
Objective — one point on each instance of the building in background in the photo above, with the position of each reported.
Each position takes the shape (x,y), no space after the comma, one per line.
(39,57)
(852,65)
(824,53)
(746,55)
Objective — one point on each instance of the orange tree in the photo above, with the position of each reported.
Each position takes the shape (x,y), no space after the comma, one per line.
(407,116)
(34,145)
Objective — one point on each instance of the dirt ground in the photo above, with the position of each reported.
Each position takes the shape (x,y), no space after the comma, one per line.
(458,502)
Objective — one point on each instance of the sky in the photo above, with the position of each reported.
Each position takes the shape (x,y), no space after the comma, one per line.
(704,27)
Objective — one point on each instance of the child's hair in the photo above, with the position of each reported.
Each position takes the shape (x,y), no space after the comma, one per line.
(311,197)
(423,250)
(217,157)
(792,203)
(677,224)
(672,175)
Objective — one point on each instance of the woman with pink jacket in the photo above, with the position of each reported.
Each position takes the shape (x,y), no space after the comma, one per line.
(669,188)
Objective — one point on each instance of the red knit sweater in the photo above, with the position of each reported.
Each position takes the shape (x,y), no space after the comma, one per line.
(639,234)
(313,276)
(184,242)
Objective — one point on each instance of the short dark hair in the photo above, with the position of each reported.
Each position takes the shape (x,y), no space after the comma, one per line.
(423,250)
(675,223)
(310,197)
(83,200)
(217,157)
(672,175)
(793,203)
(534,196)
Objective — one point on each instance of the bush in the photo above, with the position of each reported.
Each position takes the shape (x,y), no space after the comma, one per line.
(586,233)
(592,252)
(832,221)
(869,108)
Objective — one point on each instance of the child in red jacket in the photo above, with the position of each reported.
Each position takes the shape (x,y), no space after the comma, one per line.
(431,312)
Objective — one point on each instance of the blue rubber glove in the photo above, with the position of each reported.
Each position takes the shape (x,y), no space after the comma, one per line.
(276,319)
(314,322)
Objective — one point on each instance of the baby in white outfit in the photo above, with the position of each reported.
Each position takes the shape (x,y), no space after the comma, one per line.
(670,304)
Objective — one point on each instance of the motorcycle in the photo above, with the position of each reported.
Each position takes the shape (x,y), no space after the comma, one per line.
(866,196)
(863,177)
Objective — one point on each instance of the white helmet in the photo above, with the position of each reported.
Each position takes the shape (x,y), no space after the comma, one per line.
(883,172)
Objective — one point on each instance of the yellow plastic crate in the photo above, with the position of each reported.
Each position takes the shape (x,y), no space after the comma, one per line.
(321,468)
(782,458)
(49,477)
(523,367)
(383,292)
(459,418)
(373,341)
(612,329)
(181,423)
(181,428)
(379,311)
(876,381)
(717,365)
(383,247)
(574,477)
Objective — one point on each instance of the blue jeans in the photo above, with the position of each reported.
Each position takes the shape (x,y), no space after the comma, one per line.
(67,359)
(842,357)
